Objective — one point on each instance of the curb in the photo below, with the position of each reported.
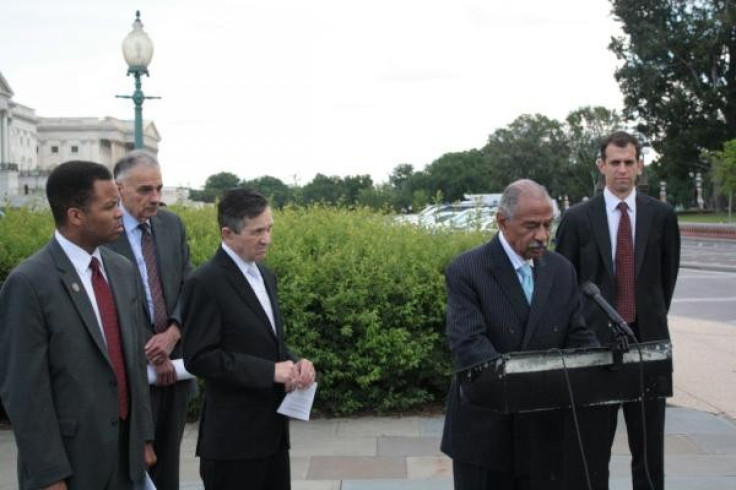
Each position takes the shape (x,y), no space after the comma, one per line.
(707,267)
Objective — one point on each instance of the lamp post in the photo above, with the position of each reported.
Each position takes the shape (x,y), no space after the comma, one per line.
(137,51)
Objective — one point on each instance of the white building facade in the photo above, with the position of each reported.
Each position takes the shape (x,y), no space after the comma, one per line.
(31,146)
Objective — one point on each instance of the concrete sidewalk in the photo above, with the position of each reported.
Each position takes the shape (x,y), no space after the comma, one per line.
(392,453)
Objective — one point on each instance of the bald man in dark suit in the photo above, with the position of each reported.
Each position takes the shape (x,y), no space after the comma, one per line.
(493,308)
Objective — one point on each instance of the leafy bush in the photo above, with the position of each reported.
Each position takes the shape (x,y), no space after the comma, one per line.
(362,297)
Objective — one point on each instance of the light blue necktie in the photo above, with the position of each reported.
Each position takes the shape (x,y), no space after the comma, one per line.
(527,282)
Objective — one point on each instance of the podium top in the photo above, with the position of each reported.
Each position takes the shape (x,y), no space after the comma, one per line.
(550,360)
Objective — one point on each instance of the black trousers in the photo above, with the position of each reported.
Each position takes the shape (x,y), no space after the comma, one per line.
(646,431)
(271,473)
(470,477)
(169,407)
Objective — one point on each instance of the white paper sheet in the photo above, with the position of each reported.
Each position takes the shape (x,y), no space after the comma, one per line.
(181,372)
(298,403)
(145,483)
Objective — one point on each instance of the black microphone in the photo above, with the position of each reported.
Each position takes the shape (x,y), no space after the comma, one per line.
(592,291)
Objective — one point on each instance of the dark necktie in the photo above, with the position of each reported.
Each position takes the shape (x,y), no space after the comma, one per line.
(160,317)
(109,317)
(625,284)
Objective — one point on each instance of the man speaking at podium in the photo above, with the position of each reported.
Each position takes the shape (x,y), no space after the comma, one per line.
(508,295)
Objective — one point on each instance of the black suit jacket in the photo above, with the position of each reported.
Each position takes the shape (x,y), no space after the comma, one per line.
(584,239)
(229,342)
(488,315)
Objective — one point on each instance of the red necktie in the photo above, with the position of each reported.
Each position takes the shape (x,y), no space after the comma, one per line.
(109,317)
(160,317)
(625,284)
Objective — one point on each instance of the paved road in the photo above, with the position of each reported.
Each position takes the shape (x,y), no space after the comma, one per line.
(705,295)
(698,252)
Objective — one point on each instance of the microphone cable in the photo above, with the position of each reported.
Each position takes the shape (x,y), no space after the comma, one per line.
(575,419)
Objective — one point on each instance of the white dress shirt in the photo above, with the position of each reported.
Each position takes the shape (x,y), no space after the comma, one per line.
(614,217)
(253,276)
(80,259)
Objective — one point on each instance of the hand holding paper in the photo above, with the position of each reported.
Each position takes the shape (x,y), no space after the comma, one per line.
(297,404)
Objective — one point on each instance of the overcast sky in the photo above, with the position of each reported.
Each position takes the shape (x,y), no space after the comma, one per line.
(291,88)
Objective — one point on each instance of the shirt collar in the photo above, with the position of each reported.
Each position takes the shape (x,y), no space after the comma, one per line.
(129,222)
(78,256)
(243,265)
(613,200)
(516,259)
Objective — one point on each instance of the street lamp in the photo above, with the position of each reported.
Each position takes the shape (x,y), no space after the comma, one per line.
(138,51)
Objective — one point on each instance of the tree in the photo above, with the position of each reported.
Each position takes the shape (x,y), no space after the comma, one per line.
(455,174)
(215,185)
(531,147)
(278,193)
(585,129)
(723,165)
(323,189)
(679,79)
(354,185)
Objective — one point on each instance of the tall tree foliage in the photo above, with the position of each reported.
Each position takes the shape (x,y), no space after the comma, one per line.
(678,78)
(586,127)
(531,147)
(724,171)
(278,193)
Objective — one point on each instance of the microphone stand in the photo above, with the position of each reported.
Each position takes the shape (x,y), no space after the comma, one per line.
(620,344)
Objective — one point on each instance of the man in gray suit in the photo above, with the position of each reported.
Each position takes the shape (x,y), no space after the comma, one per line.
(72,368)
(508,295)
(156,241)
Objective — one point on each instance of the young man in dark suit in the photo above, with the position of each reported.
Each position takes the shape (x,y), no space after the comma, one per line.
(234,340)
(508,295)
(72,369)
(628,244)
(155,240)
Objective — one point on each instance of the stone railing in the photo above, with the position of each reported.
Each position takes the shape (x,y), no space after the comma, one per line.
(708,230)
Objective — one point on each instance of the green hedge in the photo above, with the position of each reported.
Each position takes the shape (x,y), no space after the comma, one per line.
(362,297)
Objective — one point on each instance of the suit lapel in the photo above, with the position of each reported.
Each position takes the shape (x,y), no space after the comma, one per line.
(127,332)
(505,275)
(543,281)
(162,238)
(599,224)
(243,288)
(78,295)
(123,247)
(644,216)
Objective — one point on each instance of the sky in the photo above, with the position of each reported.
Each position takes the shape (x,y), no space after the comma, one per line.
(292,88)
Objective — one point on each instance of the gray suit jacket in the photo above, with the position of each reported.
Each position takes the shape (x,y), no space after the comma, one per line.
(56,379)
(172,253)
(488,315)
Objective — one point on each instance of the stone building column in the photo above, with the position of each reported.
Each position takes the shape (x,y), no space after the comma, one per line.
(4,139)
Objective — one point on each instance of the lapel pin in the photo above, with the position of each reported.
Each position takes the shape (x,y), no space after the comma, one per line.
(75,287)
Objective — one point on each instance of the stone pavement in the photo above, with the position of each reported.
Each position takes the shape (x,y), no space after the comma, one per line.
(392,453)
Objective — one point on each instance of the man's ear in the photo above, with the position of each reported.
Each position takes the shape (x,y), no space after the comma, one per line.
(599,163)
(501,220)
(75,216)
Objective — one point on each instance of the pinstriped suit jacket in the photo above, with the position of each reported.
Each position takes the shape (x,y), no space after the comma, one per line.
(488,315)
